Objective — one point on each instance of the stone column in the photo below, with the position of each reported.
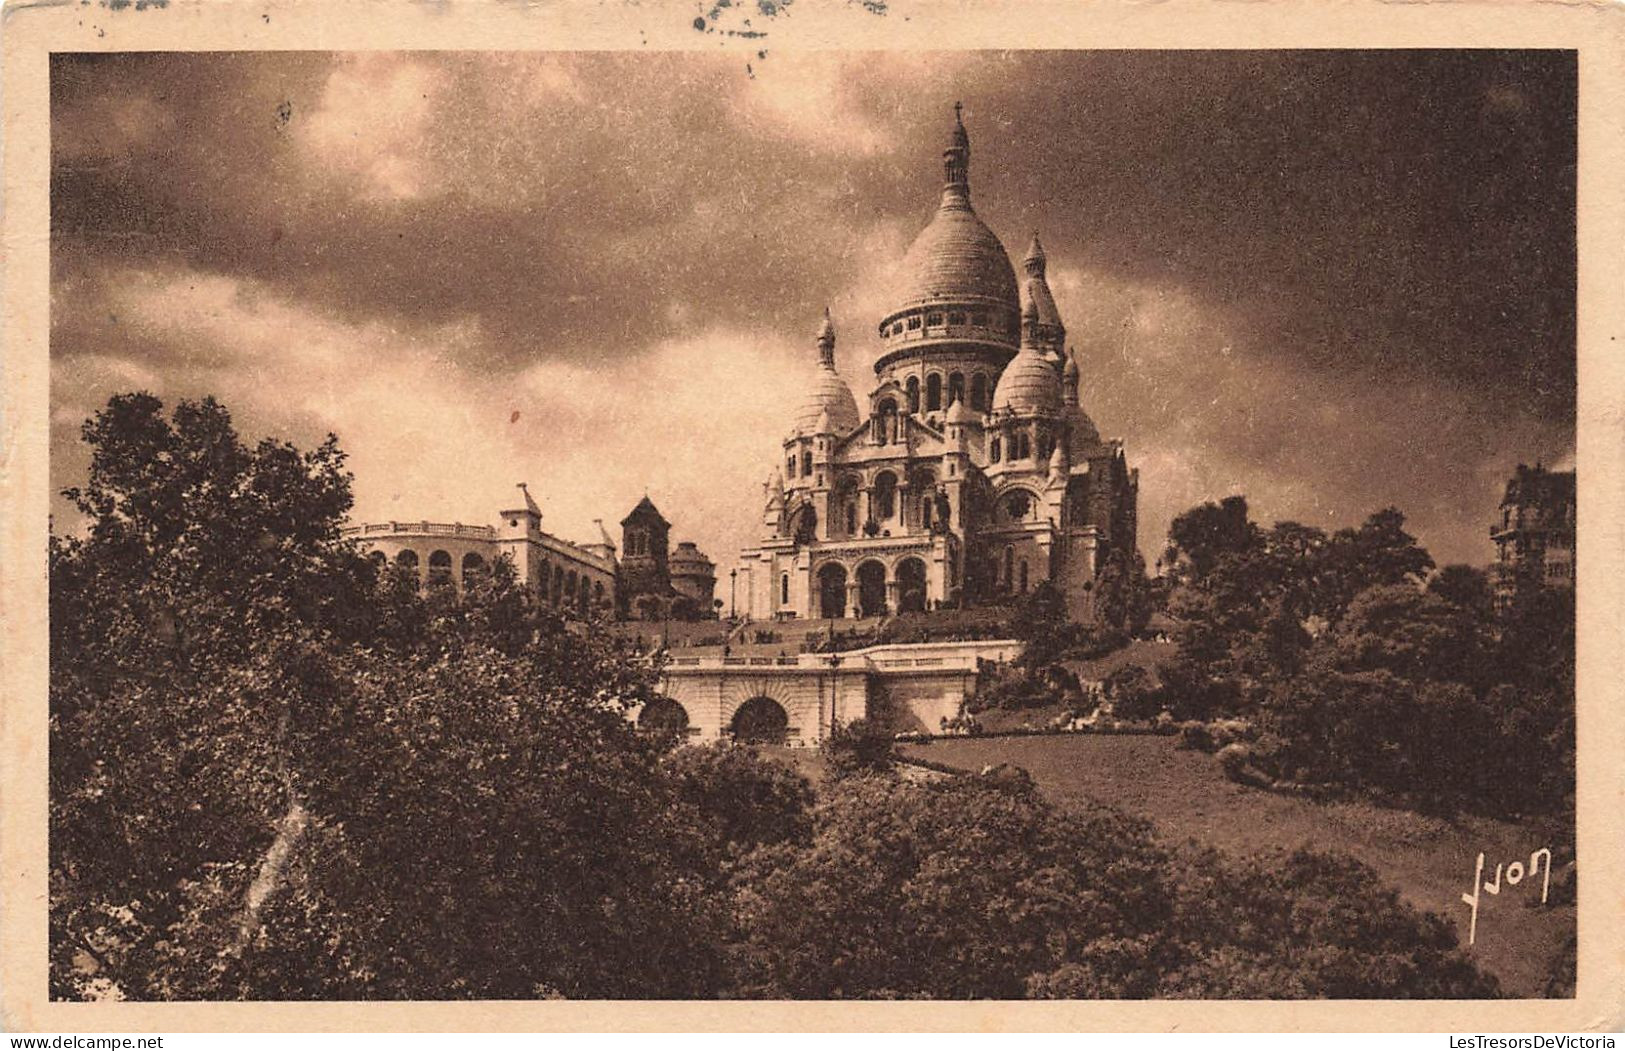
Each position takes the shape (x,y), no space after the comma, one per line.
(853,609)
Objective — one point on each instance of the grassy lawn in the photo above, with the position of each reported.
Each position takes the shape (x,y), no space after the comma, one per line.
(1430,860)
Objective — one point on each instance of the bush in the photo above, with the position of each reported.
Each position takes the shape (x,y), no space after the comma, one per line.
(749,800)
(975,888)
(857,747)
(1017,687)
(1131,695)
(1307,924)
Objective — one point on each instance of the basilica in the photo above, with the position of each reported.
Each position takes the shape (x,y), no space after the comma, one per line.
(971,473)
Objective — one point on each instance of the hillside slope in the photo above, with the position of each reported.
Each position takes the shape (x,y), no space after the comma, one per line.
(1183,793)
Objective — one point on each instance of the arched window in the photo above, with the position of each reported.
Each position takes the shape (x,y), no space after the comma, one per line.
(1024,575)
(559,595)
(1009,566)
(913,389)
(407,559)
(806,463)
(978,392)
(884,497)
(925,510)
(784,590)
(790,467)
(598,592)
(994,449)
(439,568)
(851,519)
(473,568)
(1017,506)
(581,599)
(569,587)
(378,558)
(956,388)
(933,392)
(544,580)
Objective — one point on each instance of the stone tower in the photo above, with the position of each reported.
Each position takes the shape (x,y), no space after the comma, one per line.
(645,554)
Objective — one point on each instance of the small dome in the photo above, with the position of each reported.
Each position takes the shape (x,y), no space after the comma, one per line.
(1029,384)
(829,395)
(829,407)
(689,559)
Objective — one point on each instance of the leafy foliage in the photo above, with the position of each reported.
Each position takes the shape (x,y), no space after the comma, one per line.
(1370,679)
(751,800)
(857,747)
(275,775)
(974,888)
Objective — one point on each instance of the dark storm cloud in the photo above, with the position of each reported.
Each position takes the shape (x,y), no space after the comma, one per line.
(1371,254)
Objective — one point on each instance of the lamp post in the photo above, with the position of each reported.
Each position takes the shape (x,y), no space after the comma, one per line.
(733,575)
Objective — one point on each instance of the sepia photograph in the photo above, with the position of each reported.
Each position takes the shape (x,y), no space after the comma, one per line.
(871,524)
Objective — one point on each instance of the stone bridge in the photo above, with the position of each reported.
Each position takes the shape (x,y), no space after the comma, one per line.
(798,698)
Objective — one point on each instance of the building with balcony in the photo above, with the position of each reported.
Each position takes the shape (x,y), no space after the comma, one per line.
(1534,534)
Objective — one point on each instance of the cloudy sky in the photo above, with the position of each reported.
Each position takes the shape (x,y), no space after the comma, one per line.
(1330,281)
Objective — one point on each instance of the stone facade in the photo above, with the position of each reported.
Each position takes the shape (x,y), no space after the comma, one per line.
(972,473)
(1534,535)
(578,578)
(798,698)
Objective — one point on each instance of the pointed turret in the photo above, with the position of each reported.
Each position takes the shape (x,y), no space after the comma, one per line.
(1029,325)
(1069,380)
(1035,292)
(522,521)
(1035,259)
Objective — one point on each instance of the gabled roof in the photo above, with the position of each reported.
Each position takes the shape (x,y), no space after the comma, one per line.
(644,512)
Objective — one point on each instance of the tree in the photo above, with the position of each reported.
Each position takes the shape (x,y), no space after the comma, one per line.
(276,773)
(1198,538)
(1306,924)
(749,800)
(1123,594)
(975,888)
(857,747)
(1466,587)
(199,555)
(964,888)
(1376,553)
(1042,622)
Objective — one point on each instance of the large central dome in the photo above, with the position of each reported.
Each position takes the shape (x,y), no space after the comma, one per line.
(956,291)
(956,259)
